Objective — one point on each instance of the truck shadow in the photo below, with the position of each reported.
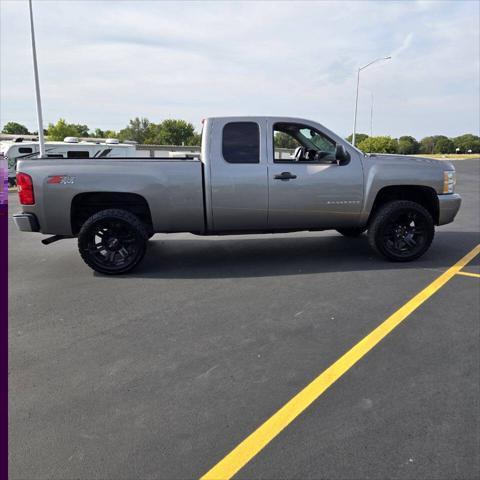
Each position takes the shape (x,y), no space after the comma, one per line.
(269,256)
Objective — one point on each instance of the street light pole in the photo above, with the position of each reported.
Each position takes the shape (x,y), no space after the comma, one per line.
(356,106)
(356,95)
(41,139)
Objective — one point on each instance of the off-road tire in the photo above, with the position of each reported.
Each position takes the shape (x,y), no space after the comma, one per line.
(113,241)
(394,216)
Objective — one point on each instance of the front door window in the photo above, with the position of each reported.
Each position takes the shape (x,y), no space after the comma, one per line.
(300,143)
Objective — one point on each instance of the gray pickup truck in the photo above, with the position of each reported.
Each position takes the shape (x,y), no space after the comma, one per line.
(244,182)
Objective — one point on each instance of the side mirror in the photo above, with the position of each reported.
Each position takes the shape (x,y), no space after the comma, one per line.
(341,155)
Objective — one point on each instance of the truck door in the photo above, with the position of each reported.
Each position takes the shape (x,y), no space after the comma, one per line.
(237,175)
(308,189)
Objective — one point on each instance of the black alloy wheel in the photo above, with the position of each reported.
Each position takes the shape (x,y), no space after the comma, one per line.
(401,230)
(112,241)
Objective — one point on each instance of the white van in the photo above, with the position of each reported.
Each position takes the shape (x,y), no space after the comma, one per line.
(71,147)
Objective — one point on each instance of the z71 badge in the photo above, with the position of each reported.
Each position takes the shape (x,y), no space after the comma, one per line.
(62,179)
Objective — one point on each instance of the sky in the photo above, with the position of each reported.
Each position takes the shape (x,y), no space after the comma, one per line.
(104,62)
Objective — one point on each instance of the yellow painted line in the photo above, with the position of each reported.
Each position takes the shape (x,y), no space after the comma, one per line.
(265,433)
(468,274)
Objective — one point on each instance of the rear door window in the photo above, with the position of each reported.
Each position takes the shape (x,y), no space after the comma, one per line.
(241,142)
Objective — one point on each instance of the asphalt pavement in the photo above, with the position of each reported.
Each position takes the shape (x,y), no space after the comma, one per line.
(161,373)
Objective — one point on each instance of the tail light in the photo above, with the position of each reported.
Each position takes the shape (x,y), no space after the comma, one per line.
(25,189)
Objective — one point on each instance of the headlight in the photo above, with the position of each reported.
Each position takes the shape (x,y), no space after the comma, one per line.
(449,181)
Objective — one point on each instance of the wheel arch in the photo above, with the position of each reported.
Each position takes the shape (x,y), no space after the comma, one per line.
(423,195)
(86,204)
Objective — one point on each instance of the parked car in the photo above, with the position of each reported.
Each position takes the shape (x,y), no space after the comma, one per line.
(242,183)
(71,147)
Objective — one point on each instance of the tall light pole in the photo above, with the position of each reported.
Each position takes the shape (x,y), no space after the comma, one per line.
(41,139)
(356,95)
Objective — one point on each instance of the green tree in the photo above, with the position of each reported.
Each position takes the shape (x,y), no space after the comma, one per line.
(138,130)
(110,134)
(359,137)
(99,133)
(195,141)
(467,142)
(14,128)
(282,140)
(407,145)
(443,145)
(62,129)
(381,144)
(427,145)
(172,132)
(83,130)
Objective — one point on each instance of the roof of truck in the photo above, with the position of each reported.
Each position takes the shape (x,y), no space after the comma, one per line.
(267,117)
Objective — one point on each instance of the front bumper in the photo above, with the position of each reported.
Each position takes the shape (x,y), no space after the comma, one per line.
(448,206)
(26,222)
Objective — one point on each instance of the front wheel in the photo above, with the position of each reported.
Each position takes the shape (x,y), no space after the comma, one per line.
(112,241)
(401,231)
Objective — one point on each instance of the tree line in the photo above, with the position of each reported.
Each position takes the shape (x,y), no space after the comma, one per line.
(180,132)
(141,130)
(408,145)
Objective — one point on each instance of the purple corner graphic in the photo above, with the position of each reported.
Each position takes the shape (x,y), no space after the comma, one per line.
(4,186)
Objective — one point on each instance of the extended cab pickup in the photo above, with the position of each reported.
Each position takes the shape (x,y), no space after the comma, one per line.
(244,182)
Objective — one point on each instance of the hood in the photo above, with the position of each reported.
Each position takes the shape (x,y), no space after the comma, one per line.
(408,160)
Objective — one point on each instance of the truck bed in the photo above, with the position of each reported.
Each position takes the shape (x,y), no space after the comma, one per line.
(172,188)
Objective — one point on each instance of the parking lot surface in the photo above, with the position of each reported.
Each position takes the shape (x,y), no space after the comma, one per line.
(163,372)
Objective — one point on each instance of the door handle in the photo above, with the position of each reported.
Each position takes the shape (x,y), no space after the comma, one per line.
(285,176)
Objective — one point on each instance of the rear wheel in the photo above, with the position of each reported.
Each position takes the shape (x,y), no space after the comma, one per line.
(112,241)
(401,231)
(351,232)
